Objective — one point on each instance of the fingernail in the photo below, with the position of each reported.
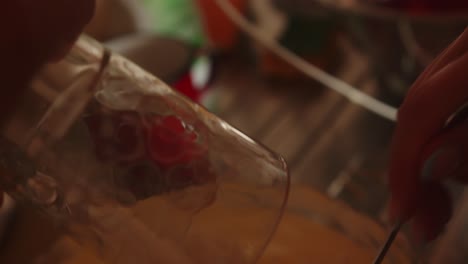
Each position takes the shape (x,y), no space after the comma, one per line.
(441,164)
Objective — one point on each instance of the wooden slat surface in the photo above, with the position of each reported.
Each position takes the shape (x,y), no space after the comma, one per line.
(315,129)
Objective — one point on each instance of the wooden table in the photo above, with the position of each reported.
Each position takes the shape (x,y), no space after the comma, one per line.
(328,142)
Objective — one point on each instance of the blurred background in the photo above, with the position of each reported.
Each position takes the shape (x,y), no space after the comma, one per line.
(378,46)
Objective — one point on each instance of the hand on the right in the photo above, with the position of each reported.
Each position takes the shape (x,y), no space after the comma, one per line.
(424,153)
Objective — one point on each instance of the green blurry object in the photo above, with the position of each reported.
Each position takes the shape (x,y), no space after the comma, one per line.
(176,18)
(308,35)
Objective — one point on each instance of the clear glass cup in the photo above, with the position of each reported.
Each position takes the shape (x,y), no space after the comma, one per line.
(134,170)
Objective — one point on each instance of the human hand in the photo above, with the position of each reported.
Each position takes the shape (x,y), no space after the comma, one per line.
(33,33)
(424,153)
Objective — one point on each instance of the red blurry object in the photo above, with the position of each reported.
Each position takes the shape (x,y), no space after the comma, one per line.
(156,152)
(171,143)
(426,6)
(185,86)
(196,80)
(222,33)
(447,5)
(126,138)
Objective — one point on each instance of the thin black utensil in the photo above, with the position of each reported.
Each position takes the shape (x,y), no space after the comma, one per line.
(388,243)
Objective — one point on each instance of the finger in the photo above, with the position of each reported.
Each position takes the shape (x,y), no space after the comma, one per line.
(422,115)
(32,33)
(455,50)
(433,213)
(452,52)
